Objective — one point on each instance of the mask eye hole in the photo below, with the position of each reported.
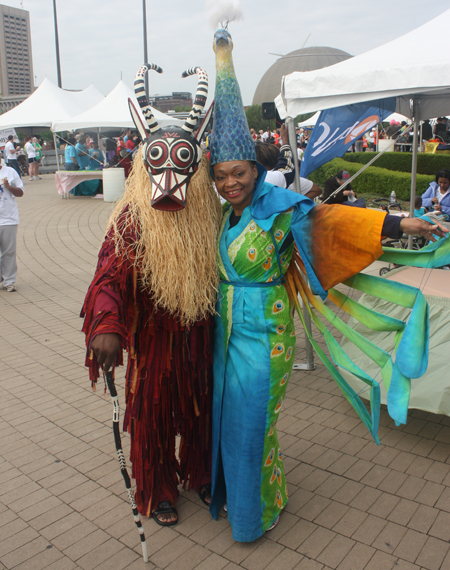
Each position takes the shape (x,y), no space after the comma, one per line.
(157,154)
(182,154)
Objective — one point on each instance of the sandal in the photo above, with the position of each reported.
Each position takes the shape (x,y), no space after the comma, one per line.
(205,491)
(163,508)
(274,524)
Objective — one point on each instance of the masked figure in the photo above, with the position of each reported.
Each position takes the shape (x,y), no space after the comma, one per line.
(153,294)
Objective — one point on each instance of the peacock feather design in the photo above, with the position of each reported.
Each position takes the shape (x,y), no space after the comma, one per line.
(231,139)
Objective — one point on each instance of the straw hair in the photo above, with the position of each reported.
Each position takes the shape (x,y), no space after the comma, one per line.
(175,252)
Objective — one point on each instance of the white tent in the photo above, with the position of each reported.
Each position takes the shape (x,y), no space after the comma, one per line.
(112,111)
(47,104)
(397,118)
(311,122)
(408,66)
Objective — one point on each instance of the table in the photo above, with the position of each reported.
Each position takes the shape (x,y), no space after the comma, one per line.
(431,392)
(68,179)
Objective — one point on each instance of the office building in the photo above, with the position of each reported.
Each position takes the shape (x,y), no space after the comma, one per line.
(16,63)
(166,103)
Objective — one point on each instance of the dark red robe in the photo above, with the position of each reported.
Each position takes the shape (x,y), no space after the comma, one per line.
(168,379)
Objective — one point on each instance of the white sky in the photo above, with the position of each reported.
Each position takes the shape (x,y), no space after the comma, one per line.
(99,40)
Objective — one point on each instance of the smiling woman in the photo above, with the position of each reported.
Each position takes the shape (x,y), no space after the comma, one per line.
(235,182)
(254,336)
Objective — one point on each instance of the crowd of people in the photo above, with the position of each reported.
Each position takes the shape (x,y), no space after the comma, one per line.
(31,151)
(83,152)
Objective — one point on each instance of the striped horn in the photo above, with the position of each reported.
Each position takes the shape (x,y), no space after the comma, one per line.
(141,96)
(200,97)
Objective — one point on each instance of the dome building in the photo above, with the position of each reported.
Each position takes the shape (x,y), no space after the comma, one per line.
(305,59)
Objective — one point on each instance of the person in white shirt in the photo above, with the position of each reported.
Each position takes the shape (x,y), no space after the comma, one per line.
(33,166)
(11,155)
(280,167)
(11,187)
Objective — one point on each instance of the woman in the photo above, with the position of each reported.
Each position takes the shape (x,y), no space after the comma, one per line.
(83,158)
(31,157)
(254,331)
(70,155)
(437,195)
(38,148)
(346,196)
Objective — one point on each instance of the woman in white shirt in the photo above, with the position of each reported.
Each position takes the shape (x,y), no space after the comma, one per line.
(31,156)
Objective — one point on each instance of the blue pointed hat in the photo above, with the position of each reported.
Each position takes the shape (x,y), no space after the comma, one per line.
(230,138)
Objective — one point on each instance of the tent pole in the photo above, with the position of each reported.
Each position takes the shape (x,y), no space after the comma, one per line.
(415,116)
(308,346)
(56,150)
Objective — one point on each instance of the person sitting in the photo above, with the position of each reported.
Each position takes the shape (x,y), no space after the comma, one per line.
(70,155)
(345,196)
(83,159)
(419,210)
(131,144)
(437,195)
(280,168)
(97,158)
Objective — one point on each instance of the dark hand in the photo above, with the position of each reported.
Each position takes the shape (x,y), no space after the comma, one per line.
(284,134)
(419,227)
(106,348)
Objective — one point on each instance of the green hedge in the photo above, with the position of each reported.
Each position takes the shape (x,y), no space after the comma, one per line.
(401,161)
(373,180)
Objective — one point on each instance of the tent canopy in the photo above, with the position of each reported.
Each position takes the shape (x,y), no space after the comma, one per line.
(47,104)
(311,122)
(407,66)
(112,111)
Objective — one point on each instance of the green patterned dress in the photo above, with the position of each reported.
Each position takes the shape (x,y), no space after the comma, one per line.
(254,354)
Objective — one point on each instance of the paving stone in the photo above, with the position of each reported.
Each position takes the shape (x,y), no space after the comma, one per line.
(390,537)
(410,545)
(357,558)
(316,542)
(369,530)
(58,453)
(432,554)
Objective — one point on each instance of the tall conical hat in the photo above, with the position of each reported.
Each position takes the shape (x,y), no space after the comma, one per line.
(231,138)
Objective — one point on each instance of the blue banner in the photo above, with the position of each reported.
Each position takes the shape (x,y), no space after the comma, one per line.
(337,129)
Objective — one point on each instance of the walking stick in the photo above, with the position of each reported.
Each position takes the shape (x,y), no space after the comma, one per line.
(123,466)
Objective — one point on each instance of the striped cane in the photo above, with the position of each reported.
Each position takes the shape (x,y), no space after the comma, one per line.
(123,466)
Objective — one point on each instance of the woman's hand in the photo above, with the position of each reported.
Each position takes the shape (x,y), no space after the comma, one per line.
(349,193)
(284,134)
(419,227)
(437,207)
(435,200)
(106,348)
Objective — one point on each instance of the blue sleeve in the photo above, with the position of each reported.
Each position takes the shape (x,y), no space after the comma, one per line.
(429,193)
(445,205)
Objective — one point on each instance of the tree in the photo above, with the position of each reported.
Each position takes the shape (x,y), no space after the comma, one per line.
(303,117)
(182,109)
(255,118)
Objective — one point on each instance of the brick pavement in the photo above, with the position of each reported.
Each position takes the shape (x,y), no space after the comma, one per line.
(354,505)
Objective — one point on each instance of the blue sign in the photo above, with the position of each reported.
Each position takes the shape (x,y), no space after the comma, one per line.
(337,129)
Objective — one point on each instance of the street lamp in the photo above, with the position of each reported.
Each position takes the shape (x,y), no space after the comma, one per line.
(144,18)
(58,62)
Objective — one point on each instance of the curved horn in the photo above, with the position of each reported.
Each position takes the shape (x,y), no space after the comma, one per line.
(141,96)
(200,97)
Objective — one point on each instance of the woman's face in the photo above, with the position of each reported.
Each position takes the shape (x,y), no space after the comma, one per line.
(235,182)
(443,183)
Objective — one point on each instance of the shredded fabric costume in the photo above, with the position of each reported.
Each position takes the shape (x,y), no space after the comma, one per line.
(168,379)
(155,287)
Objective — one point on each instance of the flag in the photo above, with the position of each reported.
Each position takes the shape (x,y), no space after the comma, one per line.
(5,134)
(337,129)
